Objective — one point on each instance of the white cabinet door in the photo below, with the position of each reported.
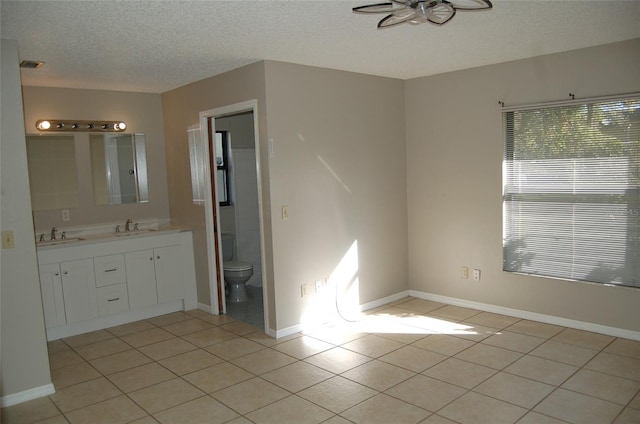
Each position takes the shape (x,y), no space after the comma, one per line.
(141,279)
(168,264)
(52,298)
(79,288)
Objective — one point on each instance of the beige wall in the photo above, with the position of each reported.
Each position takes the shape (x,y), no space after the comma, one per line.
(143,114)
(454,165)
(24,360)
(339,166)
(181,108)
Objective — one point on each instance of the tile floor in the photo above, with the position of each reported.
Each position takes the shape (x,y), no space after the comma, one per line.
(251,311)
(412,361)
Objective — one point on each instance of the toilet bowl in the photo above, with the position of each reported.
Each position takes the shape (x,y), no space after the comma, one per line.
(236,273)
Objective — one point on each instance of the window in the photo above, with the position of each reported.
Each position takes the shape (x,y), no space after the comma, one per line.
(222,163)
(571,191)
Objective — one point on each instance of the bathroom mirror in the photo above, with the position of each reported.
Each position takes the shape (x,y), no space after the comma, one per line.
(52,172)
(119,168)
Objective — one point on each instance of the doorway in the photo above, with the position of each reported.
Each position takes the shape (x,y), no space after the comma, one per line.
(234,207)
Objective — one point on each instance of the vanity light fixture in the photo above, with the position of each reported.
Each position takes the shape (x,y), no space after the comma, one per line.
(90,126)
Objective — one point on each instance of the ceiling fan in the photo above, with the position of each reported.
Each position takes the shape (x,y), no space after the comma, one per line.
(437,12)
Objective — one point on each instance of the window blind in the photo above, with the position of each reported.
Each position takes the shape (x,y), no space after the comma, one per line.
(571,191)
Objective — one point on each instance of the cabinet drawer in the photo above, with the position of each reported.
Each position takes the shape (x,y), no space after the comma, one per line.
(110,270)
(113,299)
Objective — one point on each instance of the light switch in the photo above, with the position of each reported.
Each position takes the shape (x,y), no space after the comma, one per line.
(8,242)
(285,213)
(66,217)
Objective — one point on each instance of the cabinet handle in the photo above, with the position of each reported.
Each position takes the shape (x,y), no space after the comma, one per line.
(157,257)
(151,258)
(111,270)
(113,300)
(57,274)
(66,273)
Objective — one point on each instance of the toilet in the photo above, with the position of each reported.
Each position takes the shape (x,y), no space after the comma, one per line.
(236,273)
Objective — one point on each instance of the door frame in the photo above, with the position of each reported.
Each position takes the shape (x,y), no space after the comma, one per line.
(211,175)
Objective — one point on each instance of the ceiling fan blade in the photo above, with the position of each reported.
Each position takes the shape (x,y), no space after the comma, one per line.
(471,4)
(402,15)
(441,13)
(376,8)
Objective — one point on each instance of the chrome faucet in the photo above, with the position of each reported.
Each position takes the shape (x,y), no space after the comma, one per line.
(127,226)
(54,230)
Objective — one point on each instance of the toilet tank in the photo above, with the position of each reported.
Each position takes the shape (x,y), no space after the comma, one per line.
(227,246)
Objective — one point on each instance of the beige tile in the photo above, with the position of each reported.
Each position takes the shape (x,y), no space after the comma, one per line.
(620,366)
(337,394)
(385,409)
(234,348)
(413,358)
(101,349)
(337,360)
(189,362)
(240,420)
(297,376)
(113,411)
(29,412)
(635,403)
(628,416)
(420,306)
(64,358)
(58,419)
(263,361)
(404,335)
(624,347)
(88,338)
(455,313)
(444,344)
(578,408)
(436,419)
(373,346)
(474,332)
(603,386)
(188,326)
(303,347)
(337,335)
(536,418)
(218,319)
(139,377)
(167,348)
(73,374)
(378,375)
(461,373)
(240,328)
(120,361)
(56,346)
(476,408)
(169,319)
(198,411)
(426,392)
(198,313)
(250,395)
(145,420)
(336,420)
(489,319)
(146,337)
(165,395)
(292,409)
(583,338)
(542,370)
(489,356)
(514,341)
(513,389)
(537,329)
(563,352)
(133,327)
(209,337)
(217,377)
(83,394)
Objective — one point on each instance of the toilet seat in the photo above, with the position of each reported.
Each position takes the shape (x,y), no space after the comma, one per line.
(237,266)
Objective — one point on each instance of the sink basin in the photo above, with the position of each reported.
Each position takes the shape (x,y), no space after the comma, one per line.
(61,241)
(133,233)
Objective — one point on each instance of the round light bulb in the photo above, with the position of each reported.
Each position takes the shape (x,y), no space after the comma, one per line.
(120,126)
(43,125)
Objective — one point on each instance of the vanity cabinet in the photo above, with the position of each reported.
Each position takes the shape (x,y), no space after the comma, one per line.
(89,286)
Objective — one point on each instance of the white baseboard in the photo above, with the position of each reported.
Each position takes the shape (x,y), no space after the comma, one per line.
(384,300)
(286,331)
(206,308)
(27,395)
(533,316)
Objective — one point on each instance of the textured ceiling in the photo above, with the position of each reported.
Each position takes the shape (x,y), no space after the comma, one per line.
(154,46)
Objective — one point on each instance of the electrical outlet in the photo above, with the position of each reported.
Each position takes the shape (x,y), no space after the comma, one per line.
(303,290)
(66,217)
(8,241)
(318,285)
(465,272)
(285,213)
(476,275)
